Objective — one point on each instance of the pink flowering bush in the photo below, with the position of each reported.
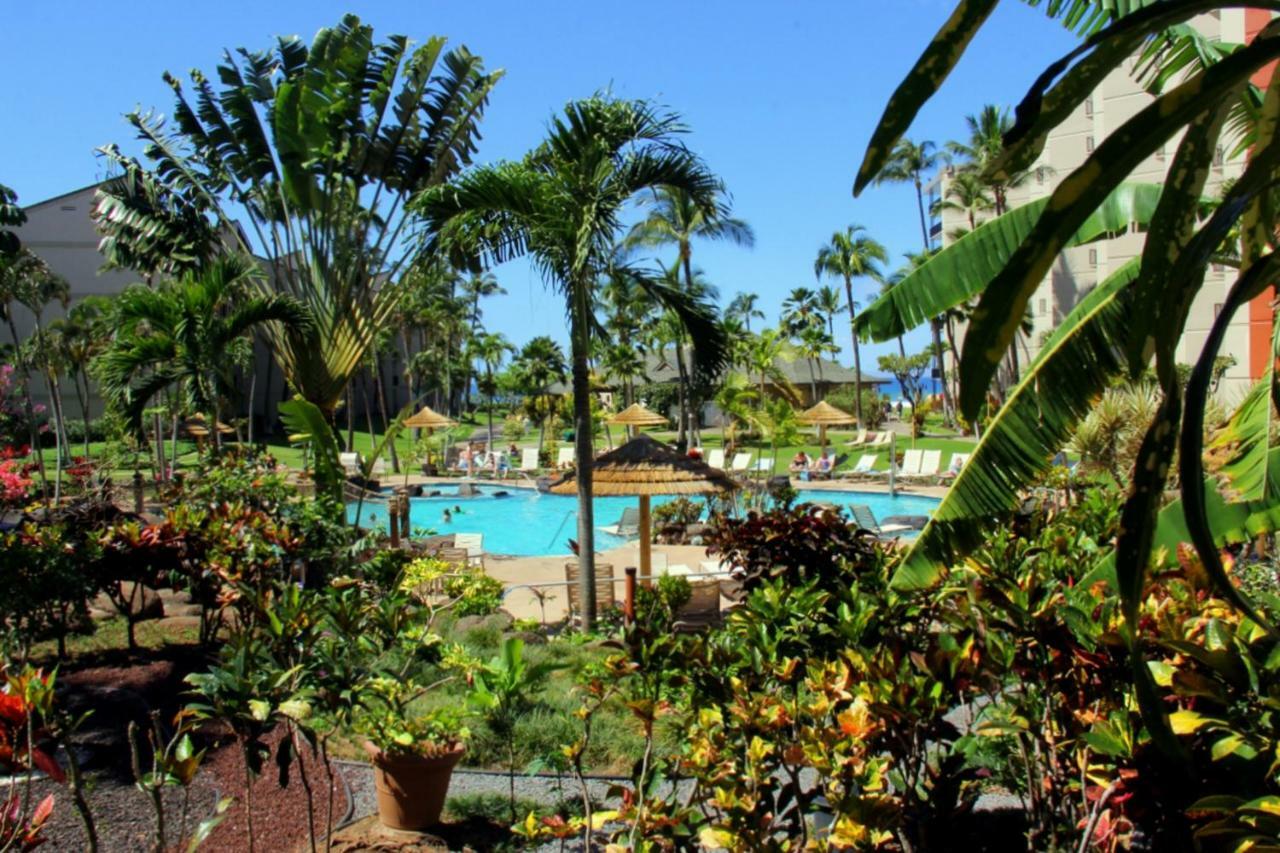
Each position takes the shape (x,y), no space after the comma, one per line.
(14,430)
(15,485)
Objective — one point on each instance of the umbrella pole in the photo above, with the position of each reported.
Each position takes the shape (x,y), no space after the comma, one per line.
(645,542)
(893,463)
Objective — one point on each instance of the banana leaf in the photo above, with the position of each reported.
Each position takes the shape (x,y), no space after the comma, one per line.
(963,269)
(307,424)
(1075,366)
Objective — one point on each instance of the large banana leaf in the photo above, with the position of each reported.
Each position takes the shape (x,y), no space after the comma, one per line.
(996,320)
(1059,387)
(1247,440)
(933,66)
(964,268)
(1232,523)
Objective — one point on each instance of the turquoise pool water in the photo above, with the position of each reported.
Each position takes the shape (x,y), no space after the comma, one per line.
(524,523)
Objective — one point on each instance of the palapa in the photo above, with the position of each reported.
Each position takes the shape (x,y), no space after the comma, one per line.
(428,418)
(638,415)
(824,415)
(645,467)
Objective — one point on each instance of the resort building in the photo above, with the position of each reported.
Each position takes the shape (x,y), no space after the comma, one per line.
(1079,269)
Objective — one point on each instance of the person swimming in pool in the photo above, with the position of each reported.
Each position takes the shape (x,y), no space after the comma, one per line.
(457,510)
(447,517)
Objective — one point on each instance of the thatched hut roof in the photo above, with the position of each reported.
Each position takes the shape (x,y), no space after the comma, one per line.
(825,414)
(638,415)
(644,466)
(428,418)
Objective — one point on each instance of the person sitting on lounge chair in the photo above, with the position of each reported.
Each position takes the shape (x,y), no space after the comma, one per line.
(501,464)
(800,465)
(821,467)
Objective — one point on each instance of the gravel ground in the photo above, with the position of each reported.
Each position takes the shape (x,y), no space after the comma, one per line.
(123,815)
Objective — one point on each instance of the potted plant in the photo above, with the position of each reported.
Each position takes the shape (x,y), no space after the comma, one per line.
(413,751)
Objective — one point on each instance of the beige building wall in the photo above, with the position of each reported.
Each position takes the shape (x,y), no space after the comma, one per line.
(1079,269)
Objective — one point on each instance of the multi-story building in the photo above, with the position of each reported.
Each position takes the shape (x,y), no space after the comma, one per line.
(1079,269)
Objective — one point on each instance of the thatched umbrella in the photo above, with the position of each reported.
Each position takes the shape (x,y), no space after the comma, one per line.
(824,415)
(637,415)
(646,467)
(428,418)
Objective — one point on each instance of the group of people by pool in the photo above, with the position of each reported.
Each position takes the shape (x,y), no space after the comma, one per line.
(805,468)
(472,461)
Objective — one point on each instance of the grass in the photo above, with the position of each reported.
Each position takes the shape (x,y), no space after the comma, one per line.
(109,635)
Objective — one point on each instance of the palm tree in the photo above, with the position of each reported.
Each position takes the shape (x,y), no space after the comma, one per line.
(813,344)
(563,206)
(767,348)
(80,336)
(829,302)
(474,287)
(744,308)
(967,194)
(987,130)
(26,280)
(490,348)
(180,333)
(540,363)
(320,151)
(908,164)
(800,310)
(677,219)
(852,254)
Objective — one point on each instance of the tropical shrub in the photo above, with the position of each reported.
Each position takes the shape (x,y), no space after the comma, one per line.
(677,511)
(472,592)
(45,586)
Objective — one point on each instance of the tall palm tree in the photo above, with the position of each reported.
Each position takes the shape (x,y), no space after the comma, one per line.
(830,302)
(744,308)
(852,254)
(562,205)
(318,150)
(473,288)
(987,130)
(908,164)
(968,194)
(490,348)
(813,345)
(676,218)
(81,336)
(180,333)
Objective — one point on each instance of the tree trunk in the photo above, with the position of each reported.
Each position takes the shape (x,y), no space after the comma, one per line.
(351,416)
(253,394)
(813,385)
(682,397)
(583,449)
(382,410)
(82,397)
(28,404)
(857,358)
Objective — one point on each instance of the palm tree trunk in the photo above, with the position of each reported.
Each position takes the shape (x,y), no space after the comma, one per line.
(382,410)
(82,398)
(681,394)
(857,358)
(583,449)
(351,416)
(489,380)
(813,385)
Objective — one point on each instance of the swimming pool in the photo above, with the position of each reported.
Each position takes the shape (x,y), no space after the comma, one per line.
(524,523)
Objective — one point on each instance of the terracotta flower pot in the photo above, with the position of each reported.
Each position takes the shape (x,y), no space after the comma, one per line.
(411,788)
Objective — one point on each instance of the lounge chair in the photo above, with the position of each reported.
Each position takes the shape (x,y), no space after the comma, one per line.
(866,466)
(566,458)
(860,438)
(715,458)
(702,610)
(628,525)
(528,460)
(765,465)
(883,439)
(930,460)
(866,519)
(379,467)
(911,460)
(741,463)
(958,461)
(473,544)
(605,599)
(350,463)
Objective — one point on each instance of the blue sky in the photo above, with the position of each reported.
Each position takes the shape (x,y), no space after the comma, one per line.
(781,99)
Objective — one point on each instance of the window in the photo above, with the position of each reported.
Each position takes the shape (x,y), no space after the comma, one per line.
(68,207)
(1217,309)
(1044,307)
(1088,105)
(1093,257)
(1088,143)
(1040,174)
(1160,154)
(1219,156)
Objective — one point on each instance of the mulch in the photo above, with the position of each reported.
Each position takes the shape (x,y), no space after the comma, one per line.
(279,814)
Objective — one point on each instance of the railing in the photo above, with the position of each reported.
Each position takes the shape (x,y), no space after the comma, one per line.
(631,575)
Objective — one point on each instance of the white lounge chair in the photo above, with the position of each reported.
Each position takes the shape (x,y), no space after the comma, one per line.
(866,465)
(958,461)
(930,461)
(528,460)
(628,526)
(765,465)
(866,519)
(473,544)
(715,458)
(741,463)
(350,463)
(860,438)
(379,467)
(911,460)
(566,458)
